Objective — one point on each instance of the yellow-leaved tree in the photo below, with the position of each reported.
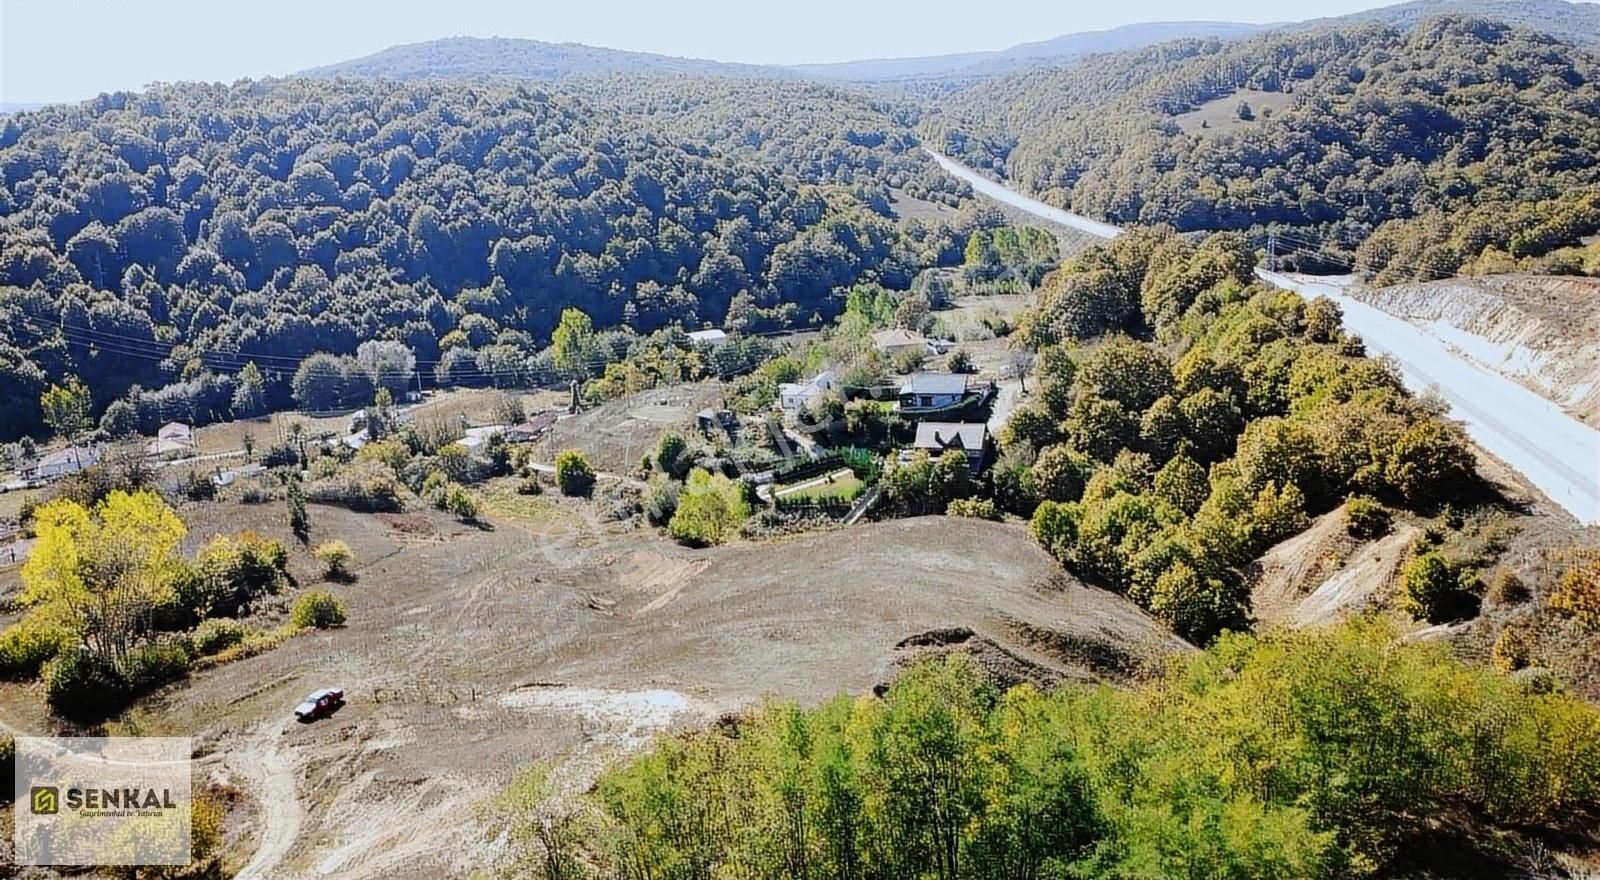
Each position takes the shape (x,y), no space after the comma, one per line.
(101,572)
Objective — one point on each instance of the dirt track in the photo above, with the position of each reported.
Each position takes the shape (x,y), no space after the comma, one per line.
(473,652)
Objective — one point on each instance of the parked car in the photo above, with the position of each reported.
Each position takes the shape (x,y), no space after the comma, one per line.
(320,703)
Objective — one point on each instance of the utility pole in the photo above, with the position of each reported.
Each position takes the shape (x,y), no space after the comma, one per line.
(1272,251)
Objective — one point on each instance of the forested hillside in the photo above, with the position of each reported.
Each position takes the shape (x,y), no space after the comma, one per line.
(284,218)
(1056,51)
(467,57)
(1576,23)
(818,133)
(1338,129)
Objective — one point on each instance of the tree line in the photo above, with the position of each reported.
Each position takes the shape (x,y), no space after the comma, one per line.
(153,237)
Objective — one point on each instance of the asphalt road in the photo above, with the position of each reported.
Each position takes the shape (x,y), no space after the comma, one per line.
(1556,453)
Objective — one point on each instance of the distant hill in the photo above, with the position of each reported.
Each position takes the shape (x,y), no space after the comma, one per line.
(1339,129)
(1059,50)
(1577,23)
(525,59)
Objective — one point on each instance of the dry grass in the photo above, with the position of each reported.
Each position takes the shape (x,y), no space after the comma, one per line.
(1221,116)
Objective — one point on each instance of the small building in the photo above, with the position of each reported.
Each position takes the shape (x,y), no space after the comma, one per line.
(63,462)
(532,429)
(893,342)
(225,478)
(177,432)
(478,438)
(969,438)
(931,391)
(710,420)
(164,447)
(709,338)
(796,396)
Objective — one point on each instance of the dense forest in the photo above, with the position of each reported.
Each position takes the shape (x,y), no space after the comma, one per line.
(150,237)
(1334,753)
(1334,131)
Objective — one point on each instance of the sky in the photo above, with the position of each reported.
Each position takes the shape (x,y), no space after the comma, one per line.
(63,50)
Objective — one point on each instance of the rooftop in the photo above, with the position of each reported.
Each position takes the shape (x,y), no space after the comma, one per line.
(946,435)
(935,383)
(899,336)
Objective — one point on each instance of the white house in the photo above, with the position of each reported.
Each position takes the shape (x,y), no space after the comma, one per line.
(893,342)
(928,391)
(163,447)
(709,338)
(177,432)
(64,462)
(796,396)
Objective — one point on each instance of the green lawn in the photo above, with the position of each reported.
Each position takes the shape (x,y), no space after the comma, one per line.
(840,484)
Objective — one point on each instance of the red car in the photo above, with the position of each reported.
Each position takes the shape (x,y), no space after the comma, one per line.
(320,703)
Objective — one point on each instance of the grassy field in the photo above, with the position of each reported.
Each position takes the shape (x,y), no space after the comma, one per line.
(839,484)
(1221,116)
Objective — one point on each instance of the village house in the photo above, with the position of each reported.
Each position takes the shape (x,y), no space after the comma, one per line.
(796,396)
(709,338)
(893,342)
(177,432)
(532,429)
(932,391)
(970,439)
(63,462)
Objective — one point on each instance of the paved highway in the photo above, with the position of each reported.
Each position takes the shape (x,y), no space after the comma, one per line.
(1555,452)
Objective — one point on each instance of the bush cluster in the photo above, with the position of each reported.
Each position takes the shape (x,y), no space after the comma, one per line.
(1257,758)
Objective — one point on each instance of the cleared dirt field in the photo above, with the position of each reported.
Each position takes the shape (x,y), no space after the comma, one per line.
(617,433)
(472,651)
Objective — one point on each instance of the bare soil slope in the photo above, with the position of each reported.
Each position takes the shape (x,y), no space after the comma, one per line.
(1322,574)
(1537,330)
(472,652)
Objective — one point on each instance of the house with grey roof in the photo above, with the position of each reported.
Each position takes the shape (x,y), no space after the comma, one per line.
(969,438)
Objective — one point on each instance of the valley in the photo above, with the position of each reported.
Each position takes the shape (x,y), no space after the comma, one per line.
(1164,450)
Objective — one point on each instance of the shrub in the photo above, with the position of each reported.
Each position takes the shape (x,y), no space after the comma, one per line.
(1508,589)
(369,486)
(710,510)
(1433,590)
(661,501)
(197,486)
(81,684)
(459,502)
(973,508)
(335,557)
(231,574)
(27,645)
(217,634)
(1578,594)
(574,473)
(152,665)
(529,486)
(1511,651)
(672,455)
(317,609)
(1366,519)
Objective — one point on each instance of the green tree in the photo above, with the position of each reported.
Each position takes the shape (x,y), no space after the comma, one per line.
(1182,483)
(66,407)
(572,345)
(1059,473)
(319,609)
(710,510)
(1433,590)
(574,474)
(250,397)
